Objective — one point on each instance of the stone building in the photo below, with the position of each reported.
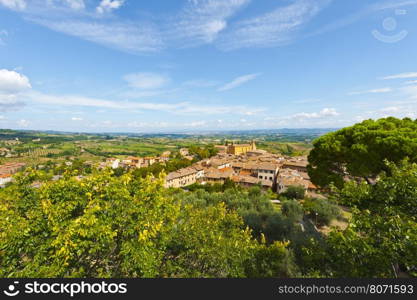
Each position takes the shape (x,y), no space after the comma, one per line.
(239,149)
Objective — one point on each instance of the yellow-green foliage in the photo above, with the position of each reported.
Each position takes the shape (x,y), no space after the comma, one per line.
(107,226)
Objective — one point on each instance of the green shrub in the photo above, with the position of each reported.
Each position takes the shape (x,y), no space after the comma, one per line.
(292,210)
(322,211)
(295,192)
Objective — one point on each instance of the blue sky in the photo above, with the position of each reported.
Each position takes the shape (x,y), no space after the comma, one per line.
(147,66)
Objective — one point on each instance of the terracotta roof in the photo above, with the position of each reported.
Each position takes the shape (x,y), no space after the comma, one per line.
(267,166)
(245,172)
(237,164)
(293,180)
(218,162)
(132,158)
(296,163)
(198,167)
(219,174)
(181,173)
(251,180)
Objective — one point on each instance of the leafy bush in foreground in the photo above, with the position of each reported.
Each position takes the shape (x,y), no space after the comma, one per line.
(107,226)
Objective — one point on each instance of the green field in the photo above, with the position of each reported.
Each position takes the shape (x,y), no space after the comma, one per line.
(34,148)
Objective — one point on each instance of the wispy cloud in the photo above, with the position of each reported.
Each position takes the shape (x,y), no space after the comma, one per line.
(23,123)
(10,102)
(146,80)
(373,91)
(390,109)
(14,4)
(107,6)
(16,90)
(273,28)
(238,82)
(185,108)
(326,112)
(198,22)
(401,76)
(139,93)
(75,18)
(128,37)
(361,14)
(392,4)
(201,21)
(410,92)
(200,83)
(3,33)
(325,117)
(73,4)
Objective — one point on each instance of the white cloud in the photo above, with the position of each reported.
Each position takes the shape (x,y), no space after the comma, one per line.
(146,80)
(13,82)
(75,4)
(391,109)
(326,112)
(238,82)
(401,76)
(72,17)
(329,112)
(23,123)
(202,20)
(324,118)
(362,14)
(411,82)
(199,22)
(14,4)
(3,33)
(49,6)
(393,4)
(273,28)
(76,119)
(196,124)
(107,6)
(374,91)
(10,102)
(182,108)
(410,91)
(398,111)
(137,125)
(124,36)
